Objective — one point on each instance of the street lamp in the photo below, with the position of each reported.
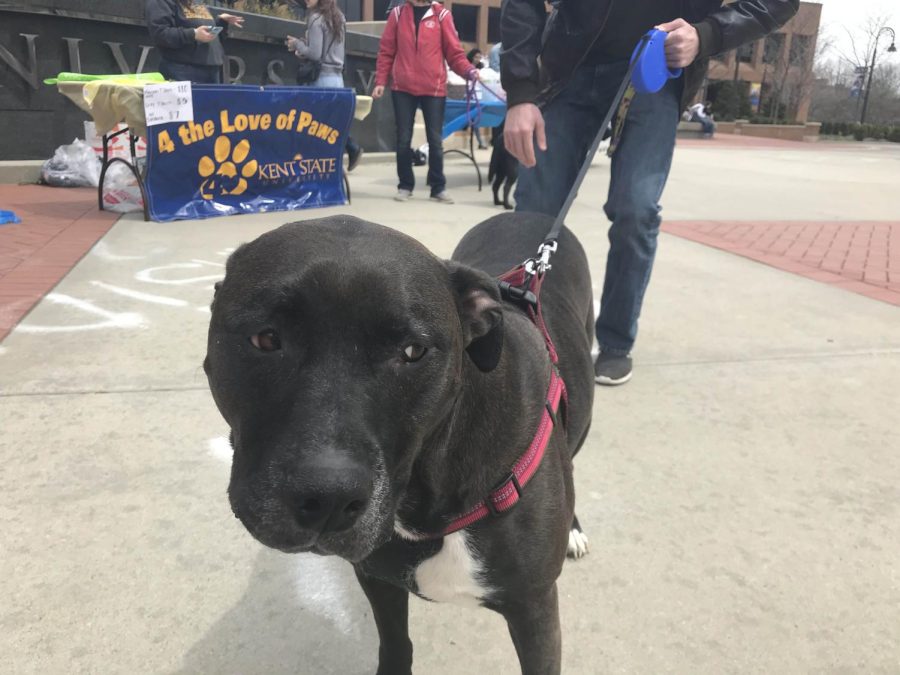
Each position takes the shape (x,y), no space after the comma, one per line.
(891,49)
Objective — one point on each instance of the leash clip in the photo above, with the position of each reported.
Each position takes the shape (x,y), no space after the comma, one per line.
(545,250)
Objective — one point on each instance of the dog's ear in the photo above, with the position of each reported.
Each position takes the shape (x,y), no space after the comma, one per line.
(480,314)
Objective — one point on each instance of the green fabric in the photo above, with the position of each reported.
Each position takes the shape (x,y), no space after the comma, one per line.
(83,77)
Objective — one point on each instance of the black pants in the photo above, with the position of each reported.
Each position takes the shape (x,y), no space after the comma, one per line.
(405,106)
(185,72)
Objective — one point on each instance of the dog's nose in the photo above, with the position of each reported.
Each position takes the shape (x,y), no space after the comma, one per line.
(334,504)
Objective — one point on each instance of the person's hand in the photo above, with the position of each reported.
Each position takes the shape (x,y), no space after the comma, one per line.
(524,125)
(682,43)
(474,76)
(291,43)
(202,34)
(232,20)
(378,91)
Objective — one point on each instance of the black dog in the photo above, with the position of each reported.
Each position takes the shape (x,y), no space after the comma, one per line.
(504,167)
(375,393)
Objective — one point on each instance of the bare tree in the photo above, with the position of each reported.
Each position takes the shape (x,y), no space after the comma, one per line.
(836,99)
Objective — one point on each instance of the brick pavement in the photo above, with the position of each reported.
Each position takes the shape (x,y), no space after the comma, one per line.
(862,257)
(59,225)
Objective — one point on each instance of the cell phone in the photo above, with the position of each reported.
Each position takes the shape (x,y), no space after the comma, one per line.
(215,30)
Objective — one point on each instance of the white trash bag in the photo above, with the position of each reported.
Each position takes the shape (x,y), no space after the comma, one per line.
(74,165)
(120,190)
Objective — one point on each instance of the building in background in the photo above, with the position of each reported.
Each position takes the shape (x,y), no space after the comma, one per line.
(776,72)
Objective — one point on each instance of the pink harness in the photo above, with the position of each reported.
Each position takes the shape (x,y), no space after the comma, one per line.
(523,287)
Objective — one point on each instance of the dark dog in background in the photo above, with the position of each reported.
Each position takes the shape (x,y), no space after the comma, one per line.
(376,392)
(504,167)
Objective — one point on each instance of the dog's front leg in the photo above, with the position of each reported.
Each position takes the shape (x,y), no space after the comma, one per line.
(534,626)
(390,606)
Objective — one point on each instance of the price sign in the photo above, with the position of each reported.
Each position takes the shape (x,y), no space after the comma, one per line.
(167,103)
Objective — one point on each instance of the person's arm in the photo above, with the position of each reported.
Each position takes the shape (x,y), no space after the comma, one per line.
(726,28)
(163,26)
(741,22)
(387,50)
(453,51)
(226,20)
(313,46)
(521,27)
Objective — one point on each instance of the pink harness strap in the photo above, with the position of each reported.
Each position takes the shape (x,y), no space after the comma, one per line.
(509,491)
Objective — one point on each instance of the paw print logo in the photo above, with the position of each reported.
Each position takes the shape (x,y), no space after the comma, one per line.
(225,175)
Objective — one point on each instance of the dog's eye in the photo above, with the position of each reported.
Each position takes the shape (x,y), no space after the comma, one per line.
(267,341)
(413,353)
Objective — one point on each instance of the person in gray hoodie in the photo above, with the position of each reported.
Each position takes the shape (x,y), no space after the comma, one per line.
(189,39)
(325,43)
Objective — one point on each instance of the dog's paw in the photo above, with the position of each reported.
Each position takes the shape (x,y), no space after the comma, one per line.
(508,207)
(578,544)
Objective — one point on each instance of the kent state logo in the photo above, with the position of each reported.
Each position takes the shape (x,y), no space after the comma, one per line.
(226,173)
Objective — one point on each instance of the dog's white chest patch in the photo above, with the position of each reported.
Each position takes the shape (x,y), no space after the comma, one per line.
(453,575)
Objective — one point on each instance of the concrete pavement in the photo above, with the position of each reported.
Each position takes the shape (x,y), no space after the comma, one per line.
(741,493)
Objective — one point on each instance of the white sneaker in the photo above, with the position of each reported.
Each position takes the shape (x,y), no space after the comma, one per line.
(403,195)
(442,197)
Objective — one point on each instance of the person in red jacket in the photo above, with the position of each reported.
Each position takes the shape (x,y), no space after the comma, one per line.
(418,38)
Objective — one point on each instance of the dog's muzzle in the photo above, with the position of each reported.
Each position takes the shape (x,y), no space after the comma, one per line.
(330,509)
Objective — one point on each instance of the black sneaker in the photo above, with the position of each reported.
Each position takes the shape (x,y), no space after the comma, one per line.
(354,158)
(612,369)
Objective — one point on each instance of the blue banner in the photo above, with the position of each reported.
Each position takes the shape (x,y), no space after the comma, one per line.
(250,150)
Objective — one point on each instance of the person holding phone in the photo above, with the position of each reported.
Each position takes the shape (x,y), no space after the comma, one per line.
(326,29)
(190,39)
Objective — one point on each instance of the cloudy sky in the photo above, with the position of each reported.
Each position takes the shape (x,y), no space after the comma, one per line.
(852,15)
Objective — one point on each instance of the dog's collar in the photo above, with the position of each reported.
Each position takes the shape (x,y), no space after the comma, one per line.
(509,491)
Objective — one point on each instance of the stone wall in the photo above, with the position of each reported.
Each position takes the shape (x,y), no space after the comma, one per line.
(784,132)
(40,38)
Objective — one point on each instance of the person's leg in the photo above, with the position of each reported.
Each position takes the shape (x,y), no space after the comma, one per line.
(479,139)
(571,120)
(640,167)
(433,112)
(404,114)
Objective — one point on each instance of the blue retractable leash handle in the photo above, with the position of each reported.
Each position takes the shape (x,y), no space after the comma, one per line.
(651,72)
(648,72)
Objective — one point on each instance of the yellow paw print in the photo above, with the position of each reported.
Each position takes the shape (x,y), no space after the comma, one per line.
(225,180)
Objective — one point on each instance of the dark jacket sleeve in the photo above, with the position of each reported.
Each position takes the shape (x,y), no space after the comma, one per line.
(741,22)
(521,29)
(162,22)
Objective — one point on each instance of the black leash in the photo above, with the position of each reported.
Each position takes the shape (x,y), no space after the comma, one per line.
(541,263)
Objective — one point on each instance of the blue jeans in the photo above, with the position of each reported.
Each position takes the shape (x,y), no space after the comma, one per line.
(405,106)
(329,80)
(709,127)
(640,167)
(185,72)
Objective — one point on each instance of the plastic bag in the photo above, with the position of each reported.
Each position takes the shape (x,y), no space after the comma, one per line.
(120,190)
(420,155)
(74,165)
(9,218)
